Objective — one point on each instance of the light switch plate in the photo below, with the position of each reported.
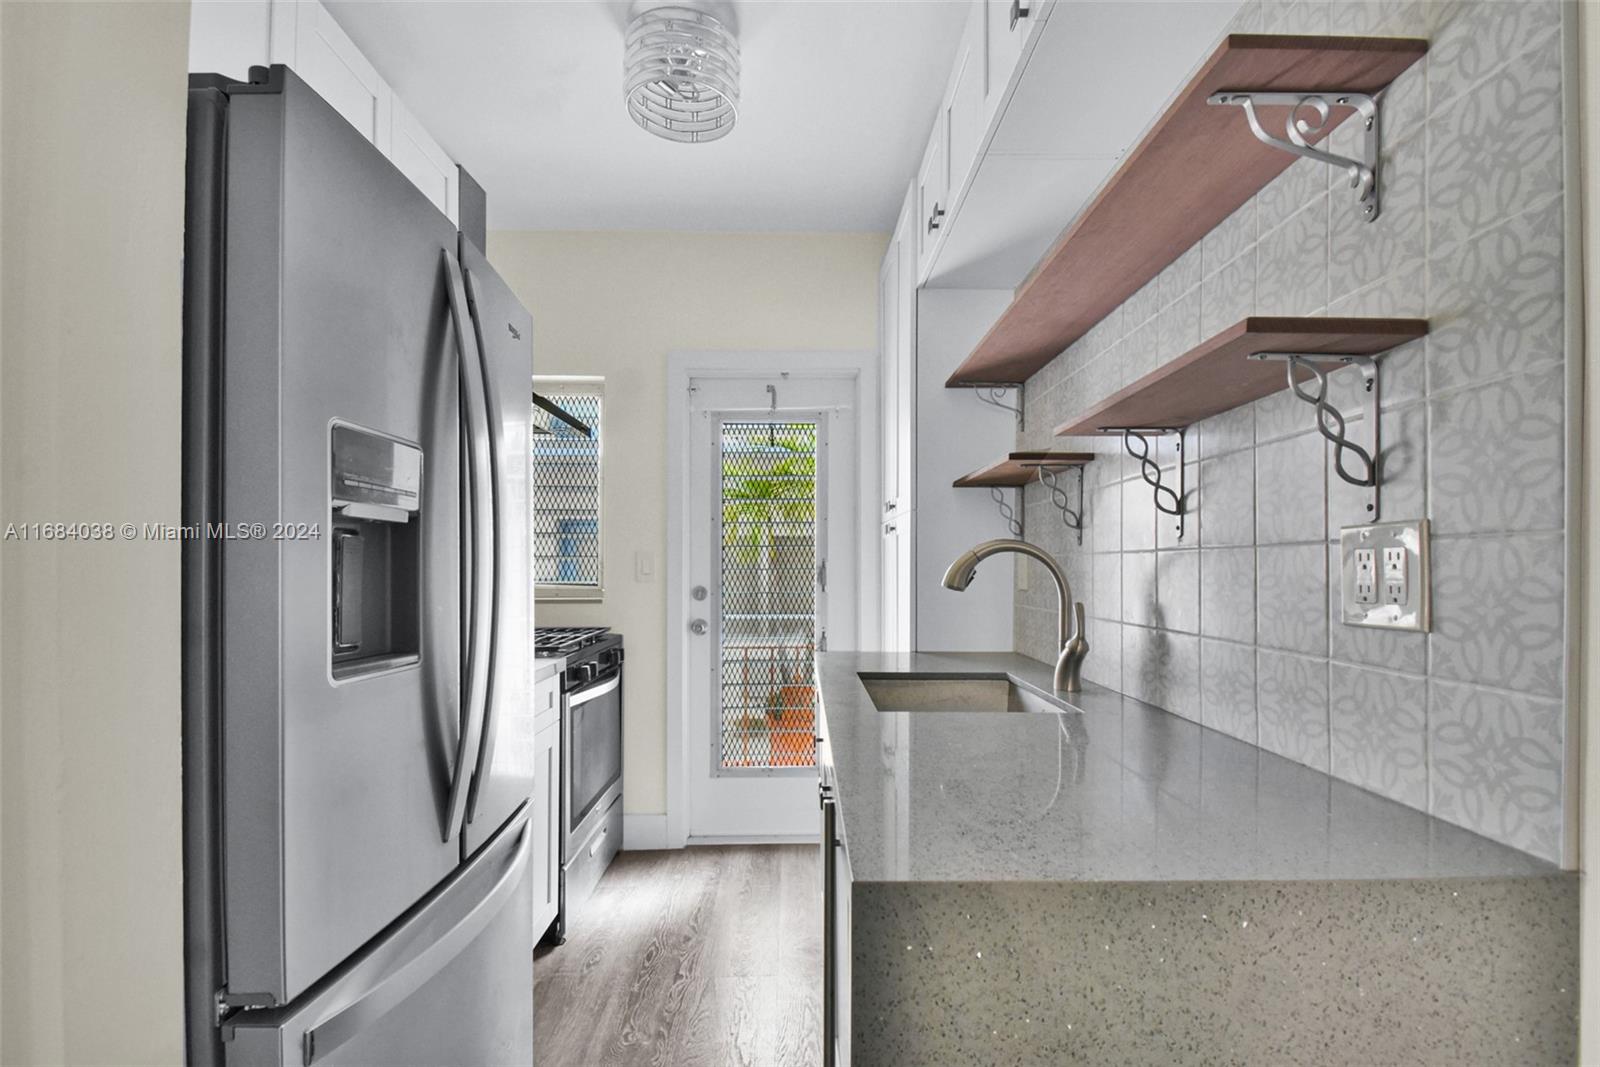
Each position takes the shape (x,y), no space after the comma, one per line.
(1384,576)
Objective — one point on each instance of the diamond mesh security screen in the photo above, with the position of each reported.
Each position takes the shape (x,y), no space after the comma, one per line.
(566,496)
(768,625)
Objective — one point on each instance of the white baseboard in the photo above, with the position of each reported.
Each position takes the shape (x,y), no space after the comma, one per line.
(644,832)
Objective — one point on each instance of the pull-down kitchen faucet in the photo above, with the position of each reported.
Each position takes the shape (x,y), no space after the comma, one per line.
(1069,660)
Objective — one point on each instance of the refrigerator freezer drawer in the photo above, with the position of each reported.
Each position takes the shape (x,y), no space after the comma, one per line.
(451,983)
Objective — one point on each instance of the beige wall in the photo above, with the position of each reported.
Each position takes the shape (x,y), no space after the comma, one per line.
(1588,648)
(616,304)
(92,129)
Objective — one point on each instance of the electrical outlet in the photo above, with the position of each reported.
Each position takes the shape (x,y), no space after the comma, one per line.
(1384,575)
(1394,576)
(1366,578)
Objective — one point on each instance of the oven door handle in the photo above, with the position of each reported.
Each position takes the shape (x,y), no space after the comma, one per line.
(583,696)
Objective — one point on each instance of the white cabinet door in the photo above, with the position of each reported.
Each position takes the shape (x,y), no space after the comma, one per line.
(932,207)
(906,374)
(842,939)
(1009,23)
(307,39)
(546,826)
(963,112)
(890,365)
(420,158)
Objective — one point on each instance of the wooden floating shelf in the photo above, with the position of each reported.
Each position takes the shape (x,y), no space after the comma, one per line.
(1217,375)
(1021,468)
(1196,166)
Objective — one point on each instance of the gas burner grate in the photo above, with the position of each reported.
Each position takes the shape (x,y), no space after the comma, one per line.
(565,640)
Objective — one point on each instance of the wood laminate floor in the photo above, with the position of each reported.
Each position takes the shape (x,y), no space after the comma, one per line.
(700,956)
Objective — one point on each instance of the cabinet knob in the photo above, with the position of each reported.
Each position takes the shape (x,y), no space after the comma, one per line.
(933,220)
(1019,11)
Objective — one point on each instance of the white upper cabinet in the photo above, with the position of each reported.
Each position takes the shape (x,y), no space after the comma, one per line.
(1007,25)
(307,40)
(420,158)
(932,202)
(231,36)
(963,111)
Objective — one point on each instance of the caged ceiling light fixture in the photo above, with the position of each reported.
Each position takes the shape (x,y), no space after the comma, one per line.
(681,71)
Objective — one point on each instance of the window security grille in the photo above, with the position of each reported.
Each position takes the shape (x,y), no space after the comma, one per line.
(566,498)
(768,610)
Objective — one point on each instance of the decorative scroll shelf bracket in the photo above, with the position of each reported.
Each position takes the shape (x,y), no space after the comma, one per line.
(1071,517)
(1168,500)
(1011,515)
(1309,115)
(995,397)
(1330,421)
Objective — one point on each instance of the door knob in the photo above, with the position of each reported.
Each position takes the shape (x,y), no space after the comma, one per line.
(697,627)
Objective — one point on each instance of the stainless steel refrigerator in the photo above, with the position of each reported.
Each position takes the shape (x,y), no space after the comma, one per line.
(357,611)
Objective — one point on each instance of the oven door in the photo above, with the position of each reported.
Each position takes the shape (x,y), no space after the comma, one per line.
(591,737)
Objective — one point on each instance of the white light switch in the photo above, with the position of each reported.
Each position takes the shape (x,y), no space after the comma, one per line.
(1384,575)
(644,566)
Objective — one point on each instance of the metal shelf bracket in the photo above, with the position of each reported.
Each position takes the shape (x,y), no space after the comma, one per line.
(1011,515)
(1168,500)
(1309,115)
(1330,421)
(995,397)
(1071,517)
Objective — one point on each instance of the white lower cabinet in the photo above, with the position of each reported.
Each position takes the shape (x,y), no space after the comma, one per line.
(841,954)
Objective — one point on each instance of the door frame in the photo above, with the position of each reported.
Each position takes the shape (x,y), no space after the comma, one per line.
(682,367)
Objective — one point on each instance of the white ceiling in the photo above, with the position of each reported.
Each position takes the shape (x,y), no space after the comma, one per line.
(837,100)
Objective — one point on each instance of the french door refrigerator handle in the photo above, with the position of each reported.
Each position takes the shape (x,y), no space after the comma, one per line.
(378,997)
(488,729)
(480,493)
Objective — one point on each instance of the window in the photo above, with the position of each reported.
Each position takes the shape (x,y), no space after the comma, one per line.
(566,491)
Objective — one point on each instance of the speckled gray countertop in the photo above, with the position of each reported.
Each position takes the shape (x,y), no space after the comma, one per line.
(1112,790)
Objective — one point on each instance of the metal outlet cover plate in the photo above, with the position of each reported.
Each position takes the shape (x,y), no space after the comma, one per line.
(1403,597)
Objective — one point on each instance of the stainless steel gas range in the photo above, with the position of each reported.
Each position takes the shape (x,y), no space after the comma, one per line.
(591,758)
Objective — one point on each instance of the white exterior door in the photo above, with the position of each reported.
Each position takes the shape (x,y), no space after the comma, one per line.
(772,529)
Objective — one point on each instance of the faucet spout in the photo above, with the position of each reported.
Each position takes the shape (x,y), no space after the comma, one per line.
(1071,648)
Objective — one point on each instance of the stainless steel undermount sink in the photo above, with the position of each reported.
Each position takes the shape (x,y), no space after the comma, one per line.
(951,692)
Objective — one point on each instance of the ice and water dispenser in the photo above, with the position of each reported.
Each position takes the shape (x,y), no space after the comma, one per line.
(375,496)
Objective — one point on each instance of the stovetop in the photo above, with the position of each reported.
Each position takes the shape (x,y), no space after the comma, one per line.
(565,640)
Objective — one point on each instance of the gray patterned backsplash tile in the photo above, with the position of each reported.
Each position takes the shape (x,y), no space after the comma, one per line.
(1397,238)
(1495,764)
(1472,40)
(1228,593)
(1183,274)
(1497,454)
(1106,599)
(1291,598)
(1227,432)
(1292,262)
(1496,305)
(1139,604)
(1227,494)
(1229,295)
(1138,517)
(1232,236)
(1497,611)
(1292,706)
(1290,490)
(1378,727)
(1178,590)
(1239,624)
(1493,153)
(1228,688)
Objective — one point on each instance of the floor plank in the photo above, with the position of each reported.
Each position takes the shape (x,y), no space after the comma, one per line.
(703,956)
